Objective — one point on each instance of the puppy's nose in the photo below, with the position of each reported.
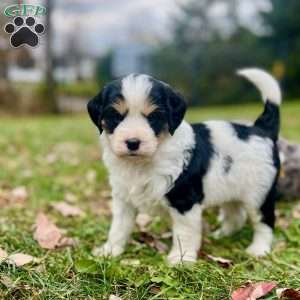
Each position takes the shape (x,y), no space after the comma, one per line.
(133,144)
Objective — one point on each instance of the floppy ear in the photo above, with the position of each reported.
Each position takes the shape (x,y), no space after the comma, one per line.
(95,109)
(176,108)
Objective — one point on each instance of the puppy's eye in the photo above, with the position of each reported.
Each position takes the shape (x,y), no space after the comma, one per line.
(156,115)
(157,120)
(112,119)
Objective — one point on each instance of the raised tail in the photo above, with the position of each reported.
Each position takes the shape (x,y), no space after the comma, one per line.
(269,120)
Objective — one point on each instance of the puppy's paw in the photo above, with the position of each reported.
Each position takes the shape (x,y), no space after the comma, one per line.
(258,250)
(218,234)
(108,249)
(177,258)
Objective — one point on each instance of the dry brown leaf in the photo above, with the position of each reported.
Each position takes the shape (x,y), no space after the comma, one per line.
(223,262)
(48,235)
(152,241)
(291,294)
(20,259)
(3,255)
(253,291)
(68,210)
(155,290)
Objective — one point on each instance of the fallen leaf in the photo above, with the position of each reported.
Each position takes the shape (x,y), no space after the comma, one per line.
(142,220)
(155,290)
(48,235)
(291,294)
(152,241)
(3,255)
(223,262)
(20,259)
(253,291)
(68,210)
(114,297)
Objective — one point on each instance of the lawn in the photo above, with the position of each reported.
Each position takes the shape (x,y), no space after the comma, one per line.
(58,158)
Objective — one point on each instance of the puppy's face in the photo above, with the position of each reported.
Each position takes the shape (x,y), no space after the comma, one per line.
(136,113)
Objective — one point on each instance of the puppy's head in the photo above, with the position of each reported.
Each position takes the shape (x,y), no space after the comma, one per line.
(136,113)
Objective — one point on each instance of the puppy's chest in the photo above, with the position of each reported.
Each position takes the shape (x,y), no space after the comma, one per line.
(143,188)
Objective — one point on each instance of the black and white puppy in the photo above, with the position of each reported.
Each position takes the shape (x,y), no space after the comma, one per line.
(157,160)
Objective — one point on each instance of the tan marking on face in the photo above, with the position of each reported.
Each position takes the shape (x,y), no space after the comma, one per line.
(120,106)
(149,107)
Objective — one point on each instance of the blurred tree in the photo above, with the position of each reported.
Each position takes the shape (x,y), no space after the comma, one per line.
(283,40)
(204,52)
(104,68)
(49,94)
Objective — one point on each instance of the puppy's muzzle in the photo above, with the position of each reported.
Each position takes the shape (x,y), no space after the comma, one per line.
(133,144)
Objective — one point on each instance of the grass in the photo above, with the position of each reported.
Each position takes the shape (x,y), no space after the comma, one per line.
(55,156)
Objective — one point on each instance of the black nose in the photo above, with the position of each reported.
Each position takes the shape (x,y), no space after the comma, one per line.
(133,144)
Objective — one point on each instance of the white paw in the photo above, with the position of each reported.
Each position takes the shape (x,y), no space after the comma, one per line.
(108,249)
(176,258)
(217,234)
(221,232)
(258,250)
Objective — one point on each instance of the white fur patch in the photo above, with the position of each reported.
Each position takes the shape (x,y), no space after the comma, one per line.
(252,171)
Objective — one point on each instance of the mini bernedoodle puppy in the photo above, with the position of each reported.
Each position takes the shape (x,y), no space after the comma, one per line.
(156,160)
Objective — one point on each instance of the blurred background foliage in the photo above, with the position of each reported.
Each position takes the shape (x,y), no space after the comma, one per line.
(199,57)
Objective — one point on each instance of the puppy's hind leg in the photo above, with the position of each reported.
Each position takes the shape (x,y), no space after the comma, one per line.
(263,227)
(232,217)
(186,235)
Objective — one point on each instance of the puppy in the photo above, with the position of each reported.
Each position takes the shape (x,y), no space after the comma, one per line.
(157,160)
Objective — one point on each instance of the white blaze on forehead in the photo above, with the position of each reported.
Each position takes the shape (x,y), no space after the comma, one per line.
(136,90)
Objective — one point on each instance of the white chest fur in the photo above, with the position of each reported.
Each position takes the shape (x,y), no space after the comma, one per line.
(144,184)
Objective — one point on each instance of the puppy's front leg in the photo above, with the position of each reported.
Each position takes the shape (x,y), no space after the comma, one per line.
(123,220)
(186,235)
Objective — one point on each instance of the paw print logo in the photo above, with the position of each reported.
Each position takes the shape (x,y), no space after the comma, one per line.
(24,31)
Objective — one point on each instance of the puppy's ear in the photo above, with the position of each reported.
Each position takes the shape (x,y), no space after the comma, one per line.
(176,108)
(95,109)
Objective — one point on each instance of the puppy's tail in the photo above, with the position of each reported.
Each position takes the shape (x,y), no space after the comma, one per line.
(269,120)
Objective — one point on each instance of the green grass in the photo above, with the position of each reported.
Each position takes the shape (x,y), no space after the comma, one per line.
(52,156)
